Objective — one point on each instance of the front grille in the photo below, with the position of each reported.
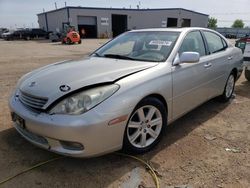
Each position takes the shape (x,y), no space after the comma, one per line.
(32,101)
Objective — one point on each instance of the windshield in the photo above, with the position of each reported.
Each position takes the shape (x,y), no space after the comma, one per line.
(152,46)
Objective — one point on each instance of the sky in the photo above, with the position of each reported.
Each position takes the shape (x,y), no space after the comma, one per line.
(23,13)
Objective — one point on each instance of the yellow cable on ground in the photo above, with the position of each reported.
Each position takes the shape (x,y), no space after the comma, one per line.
(31,168)
(152,172)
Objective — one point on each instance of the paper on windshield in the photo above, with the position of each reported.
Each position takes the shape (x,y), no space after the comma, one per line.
(160,43)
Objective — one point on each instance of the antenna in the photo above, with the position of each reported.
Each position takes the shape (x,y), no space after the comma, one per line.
(55,5)
(65,3)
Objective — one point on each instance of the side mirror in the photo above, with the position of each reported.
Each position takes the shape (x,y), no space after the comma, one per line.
(187,57)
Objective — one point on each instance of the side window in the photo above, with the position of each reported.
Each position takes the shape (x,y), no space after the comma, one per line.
(215,42)
(224,43)
(193,42)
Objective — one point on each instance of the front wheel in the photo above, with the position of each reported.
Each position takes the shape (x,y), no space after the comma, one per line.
(145,126)
(247,74)
(69,41)
(229,89)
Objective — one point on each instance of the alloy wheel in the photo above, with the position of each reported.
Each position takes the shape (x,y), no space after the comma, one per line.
(230,86)
(144,126)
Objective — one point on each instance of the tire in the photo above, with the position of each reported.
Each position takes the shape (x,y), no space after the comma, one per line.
(80,41)
(68,41)
(141,134)
(229,89)
(247,74)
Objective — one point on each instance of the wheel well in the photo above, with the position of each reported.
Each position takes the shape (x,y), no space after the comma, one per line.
(159,97)
(235,72)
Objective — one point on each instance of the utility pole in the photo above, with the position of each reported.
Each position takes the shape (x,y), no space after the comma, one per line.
(55,5)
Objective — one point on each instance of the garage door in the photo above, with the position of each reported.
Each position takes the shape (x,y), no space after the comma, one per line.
(86,20)
(89,25)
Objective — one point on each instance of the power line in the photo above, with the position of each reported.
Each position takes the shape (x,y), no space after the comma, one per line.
(232,20)
(231,13)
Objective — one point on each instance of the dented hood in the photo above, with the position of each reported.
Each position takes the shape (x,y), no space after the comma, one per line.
(46,82)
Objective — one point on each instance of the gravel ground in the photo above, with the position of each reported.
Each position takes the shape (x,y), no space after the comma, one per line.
(193,152)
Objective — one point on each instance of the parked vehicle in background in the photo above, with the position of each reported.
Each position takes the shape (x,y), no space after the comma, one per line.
(26,34)
(35,33)
(3,30)
(230,36)
(126,92)
(233,33)
(244,45)
(14,34)
(55,37)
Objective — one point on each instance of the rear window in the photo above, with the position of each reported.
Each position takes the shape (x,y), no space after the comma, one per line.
(215,42)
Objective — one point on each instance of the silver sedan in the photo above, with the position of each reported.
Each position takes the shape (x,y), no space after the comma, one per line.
(124,94)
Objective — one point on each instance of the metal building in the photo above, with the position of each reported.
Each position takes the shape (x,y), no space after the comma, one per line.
(103,22)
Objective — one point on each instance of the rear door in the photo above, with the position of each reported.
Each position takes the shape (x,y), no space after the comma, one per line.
(220,55)
(190,79)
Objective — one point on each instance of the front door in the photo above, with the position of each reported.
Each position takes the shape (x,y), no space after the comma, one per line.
(190,87)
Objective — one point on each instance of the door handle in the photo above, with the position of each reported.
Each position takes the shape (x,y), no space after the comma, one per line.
(230,58)
(207,65)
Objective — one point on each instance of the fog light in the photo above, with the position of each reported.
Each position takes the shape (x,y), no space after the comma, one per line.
(72,145)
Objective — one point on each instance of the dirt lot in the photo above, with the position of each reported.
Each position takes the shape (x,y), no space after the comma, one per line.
(193,151)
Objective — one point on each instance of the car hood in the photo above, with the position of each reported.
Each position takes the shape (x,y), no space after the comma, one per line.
(46,82)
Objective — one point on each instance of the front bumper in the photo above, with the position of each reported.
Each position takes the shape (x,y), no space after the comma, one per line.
(90,129)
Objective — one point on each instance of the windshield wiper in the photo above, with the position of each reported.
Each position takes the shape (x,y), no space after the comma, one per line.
(117,56)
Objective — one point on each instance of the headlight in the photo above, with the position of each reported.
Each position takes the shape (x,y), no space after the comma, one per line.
(84,101)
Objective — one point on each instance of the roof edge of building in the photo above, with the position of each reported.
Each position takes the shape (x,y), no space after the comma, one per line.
(127,9)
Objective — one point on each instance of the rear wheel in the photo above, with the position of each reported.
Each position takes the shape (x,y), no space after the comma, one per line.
(229,89)
(145,126)
(63,41)
(247,74)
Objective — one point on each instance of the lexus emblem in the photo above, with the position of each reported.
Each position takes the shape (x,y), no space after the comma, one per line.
(32,84)
(64,88)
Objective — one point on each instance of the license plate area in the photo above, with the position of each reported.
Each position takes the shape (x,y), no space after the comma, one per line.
(20,122)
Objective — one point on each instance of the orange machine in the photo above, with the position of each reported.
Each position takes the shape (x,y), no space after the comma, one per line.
(71,37)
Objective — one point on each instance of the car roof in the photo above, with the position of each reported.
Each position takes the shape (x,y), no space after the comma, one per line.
(183,29)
